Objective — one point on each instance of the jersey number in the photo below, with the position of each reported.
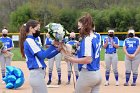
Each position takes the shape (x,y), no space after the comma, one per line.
(130,45)
(97,53)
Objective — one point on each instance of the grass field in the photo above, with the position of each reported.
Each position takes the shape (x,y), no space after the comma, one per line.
(17,55)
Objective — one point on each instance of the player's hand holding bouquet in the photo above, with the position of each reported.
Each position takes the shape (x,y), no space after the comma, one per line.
(4,51)
(57,32)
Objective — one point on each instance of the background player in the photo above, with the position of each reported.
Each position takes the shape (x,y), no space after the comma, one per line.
(56,59)
(131,49)
(8,46)
(69,65)
(88,58)
(111,43)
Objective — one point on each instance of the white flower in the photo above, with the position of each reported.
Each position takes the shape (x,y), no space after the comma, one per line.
(56,30)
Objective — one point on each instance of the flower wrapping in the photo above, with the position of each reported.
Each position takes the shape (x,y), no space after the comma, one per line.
(6,54)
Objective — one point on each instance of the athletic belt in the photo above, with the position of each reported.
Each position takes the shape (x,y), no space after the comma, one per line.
(110,53)
(43,68)
(89,70)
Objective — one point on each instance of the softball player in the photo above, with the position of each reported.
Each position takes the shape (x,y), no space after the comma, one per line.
(69,65)
(111,43)
(35,55)
(8,46)
(88,58)
(131,49)
(57,60)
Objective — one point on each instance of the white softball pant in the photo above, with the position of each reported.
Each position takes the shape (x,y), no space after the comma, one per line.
(88,81)
(37,80)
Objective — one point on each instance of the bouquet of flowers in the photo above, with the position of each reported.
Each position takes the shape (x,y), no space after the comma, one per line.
(8,54)
(58,33)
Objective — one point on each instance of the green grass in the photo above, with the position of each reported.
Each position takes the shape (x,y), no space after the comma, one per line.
(17,55)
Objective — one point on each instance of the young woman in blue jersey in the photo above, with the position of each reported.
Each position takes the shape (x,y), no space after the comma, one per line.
(8,46)
(35,55)
(56,59)
(111,43)
(131,49)
(72,42)
(88,58)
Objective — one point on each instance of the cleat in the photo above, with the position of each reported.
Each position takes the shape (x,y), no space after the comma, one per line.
(106,83)
(126,84)
(68,83)
(133,84)
(117,83)
(59,82)
(49,82)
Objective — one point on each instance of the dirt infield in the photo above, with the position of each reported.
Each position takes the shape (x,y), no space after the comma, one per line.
(63,88)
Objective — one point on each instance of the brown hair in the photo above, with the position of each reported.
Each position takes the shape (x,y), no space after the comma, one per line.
(24,30)
(87,25)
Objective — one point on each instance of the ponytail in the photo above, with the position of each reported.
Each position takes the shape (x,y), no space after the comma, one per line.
(24,30)
(22,37)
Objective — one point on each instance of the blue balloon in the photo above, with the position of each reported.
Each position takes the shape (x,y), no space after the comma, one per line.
(18,73)
(9,86)
(10,69)
(5,79)
(14,77)
(19,82)
(11,78)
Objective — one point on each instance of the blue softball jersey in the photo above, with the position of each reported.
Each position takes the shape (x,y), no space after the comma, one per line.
(72,42)
(131,44)
(110,48)
(35,55)
(90,46)
(7,41)
(48,41)
(38,40)
(98,36)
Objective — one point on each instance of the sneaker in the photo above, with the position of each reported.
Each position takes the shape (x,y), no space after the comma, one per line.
(133,84)
(117,83)
(59,82)
(126,84)
(106,83)
(68,83)
(49,82)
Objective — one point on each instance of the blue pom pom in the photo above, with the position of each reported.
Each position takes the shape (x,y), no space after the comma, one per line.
(19,82)
(9,86)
